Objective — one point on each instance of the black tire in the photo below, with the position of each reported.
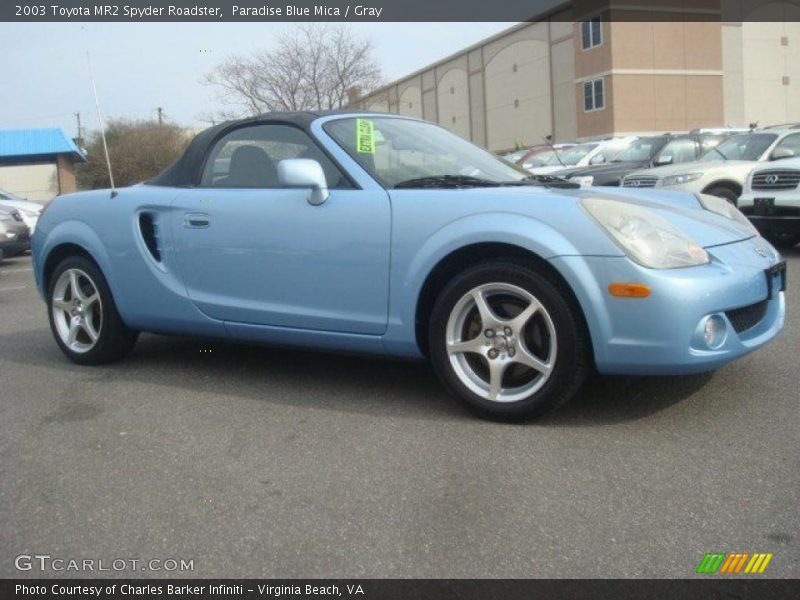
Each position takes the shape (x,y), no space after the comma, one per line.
(572,356)
(114,340)
(722,191)
(785,241)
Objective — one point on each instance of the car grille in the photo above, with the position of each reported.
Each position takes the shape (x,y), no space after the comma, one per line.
(776,180)
(747,317)
(640,181)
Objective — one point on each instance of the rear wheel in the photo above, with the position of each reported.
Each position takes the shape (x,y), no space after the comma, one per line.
(83,317)
(507,342)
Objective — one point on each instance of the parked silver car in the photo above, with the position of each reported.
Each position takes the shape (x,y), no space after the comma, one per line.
(15,237)
(28,209)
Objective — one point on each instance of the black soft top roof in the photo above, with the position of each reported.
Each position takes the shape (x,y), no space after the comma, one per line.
(186,171)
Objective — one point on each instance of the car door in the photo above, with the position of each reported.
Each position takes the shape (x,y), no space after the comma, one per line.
(250,251)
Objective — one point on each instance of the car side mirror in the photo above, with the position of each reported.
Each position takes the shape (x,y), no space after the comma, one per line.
(780,153)
(598,160)
(304,173)
(662,160)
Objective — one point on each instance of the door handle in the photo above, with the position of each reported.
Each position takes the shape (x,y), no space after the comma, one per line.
(196,220)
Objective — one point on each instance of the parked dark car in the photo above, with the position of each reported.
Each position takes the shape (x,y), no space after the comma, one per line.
(15,237)
(644,153)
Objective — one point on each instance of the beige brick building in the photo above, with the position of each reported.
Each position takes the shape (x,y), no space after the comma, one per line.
(578,74)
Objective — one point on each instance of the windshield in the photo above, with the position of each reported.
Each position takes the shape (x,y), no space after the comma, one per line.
(569,157)
(401,151)
(641,150)
(514,156)
(749,146)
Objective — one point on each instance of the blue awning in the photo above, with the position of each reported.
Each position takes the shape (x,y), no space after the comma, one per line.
(37,142)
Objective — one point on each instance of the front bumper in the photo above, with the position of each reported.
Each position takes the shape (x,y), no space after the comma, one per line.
(15,240)
(782,215)
(663,334)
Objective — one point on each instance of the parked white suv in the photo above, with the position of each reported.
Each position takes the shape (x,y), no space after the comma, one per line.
(723,169)
(771,200)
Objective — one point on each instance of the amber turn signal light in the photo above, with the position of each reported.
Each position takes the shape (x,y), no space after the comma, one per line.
(629,290)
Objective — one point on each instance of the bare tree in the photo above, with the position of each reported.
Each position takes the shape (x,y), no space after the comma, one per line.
(313,67)
(138,150)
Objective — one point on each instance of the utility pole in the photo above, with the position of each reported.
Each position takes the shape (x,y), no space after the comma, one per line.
(80,129)
(160,115)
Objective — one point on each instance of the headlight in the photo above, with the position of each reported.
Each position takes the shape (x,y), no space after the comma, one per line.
(644,236)
(679,179)
(722,207)
(582,179)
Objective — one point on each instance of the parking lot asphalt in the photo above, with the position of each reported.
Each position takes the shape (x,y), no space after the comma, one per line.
(280,463)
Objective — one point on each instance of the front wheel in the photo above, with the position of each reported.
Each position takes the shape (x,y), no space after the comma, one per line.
(507,341)
(83,317)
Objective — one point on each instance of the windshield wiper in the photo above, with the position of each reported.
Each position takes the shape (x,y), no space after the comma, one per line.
(552,181)
(718,151)
(438,181)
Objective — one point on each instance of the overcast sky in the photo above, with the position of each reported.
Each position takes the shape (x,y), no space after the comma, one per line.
(140,66)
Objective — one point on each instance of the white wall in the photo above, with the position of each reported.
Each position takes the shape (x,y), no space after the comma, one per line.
(34,182)
(518,102)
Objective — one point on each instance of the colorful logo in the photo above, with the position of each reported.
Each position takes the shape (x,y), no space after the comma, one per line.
(734,563)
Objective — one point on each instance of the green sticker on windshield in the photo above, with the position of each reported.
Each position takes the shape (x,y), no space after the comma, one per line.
(365,136)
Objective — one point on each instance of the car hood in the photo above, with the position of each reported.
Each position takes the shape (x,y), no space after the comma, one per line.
(685,212)
(561,209)
(698,167)
(604,169)
(546,170)
(785,163)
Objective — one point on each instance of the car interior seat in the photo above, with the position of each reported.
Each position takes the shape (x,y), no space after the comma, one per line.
(250,167)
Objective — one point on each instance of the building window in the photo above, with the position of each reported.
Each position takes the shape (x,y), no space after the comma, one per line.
(594,97)
(591,33)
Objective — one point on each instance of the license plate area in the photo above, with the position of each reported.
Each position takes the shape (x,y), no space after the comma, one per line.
(763,207)
(776,272)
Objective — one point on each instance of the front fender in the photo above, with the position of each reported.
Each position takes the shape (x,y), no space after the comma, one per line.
(411,270)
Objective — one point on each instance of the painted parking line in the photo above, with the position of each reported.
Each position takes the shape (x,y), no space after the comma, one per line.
(11,289)
(22,270)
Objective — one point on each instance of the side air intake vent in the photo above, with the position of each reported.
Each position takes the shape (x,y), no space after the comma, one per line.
(148,225)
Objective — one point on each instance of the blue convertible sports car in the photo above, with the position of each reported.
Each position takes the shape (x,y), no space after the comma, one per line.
(381,234)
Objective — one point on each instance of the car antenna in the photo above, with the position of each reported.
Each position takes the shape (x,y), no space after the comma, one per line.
(100,119)
(548,139)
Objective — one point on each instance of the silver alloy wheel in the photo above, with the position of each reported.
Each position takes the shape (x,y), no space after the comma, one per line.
(77,310)
(501,342)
